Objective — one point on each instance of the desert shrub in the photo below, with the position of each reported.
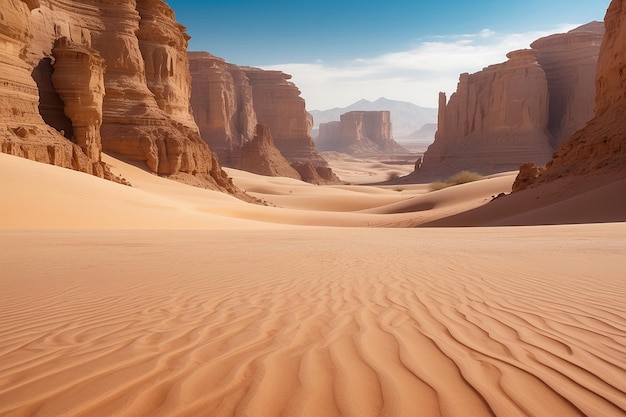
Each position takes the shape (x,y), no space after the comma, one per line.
(434,186)
(462,177)
(393,175)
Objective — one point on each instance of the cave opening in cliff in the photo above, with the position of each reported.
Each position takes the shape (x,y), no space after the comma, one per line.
(50,104)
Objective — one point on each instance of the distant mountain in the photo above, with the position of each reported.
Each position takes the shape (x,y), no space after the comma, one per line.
(406,117)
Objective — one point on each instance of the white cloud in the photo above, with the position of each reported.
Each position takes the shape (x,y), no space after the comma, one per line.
(416,75)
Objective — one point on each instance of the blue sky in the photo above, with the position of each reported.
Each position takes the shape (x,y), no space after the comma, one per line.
(341,51)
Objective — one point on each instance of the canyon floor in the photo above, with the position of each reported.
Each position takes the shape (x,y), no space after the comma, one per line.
(163,299)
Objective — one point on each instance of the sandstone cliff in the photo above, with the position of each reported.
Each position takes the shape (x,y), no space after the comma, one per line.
(278,105)
(228,101)
(23,131)
(598,150)
(359,133)
(133,98)
(518,111)
(221,99)
(260,156)
(569,61)
(496,120)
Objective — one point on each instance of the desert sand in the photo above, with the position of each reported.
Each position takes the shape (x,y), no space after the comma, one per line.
(163,299)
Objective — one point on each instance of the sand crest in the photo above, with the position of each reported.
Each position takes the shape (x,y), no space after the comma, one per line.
(168,300)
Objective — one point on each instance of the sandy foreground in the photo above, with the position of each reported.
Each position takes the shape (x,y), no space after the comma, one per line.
(168,300)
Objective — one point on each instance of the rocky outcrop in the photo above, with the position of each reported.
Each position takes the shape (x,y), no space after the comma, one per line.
(23,131)
(278,105)
(359,133)
(599,149)
(496,120)
(569,61)
(516,112)
(228,101)
(527,175)
(260,156)
(221,99)
(133,96)
(78,78)
(315,174)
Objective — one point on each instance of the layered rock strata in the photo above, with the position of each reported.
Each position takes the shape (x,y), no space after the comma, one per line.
(278,105)
(228,102)
(569,61)
(132,98)
(221,99)
(260,156)
(78,78)
(496,120)
(599,149)
(23,131)
(518,111)
(359,133)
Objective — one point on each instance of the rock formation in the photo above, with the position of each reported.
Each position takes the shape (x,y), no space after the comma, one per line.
(569,61)
(518,111)
(359,133)
(599,149)
(109,75)
(78,78)
(260,156)
(496,120)
(278,105)
(228,101)
(315,174)
(221,99)
(23,132)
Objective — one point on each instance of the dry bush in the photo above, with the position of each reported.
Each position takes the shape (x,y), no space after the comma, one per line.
(393,175)
(434,186)
(462,177)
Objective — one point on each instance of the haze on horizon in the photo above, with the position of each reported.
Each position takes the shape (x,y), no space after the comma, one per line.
(340,52)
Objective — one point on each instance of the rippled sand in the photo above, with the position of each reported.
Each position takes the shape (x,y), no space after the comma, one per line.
(314,322)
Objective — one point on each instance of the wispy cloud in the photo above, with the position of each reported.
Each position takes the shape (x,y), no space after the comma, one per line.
(416,75)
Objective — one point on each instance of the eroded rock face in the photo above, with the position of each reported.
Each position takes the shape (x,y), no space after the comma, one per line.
(315,174)
(221,99)
(78,78)
(599,149)
(569,61)
(23,132)
(260,156)
(141,111)
(278,105)
(519,111)
(496,120)
(526,176)
(229,101)
(359,133)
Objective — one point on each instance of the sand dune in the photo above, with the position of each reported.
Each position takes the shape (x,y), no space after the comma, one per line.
(350,322)
(169,300)
(79,201)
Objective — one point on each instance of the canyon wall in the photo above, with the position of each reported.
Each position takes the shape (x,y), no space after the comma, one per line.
(518,111)
(23,131)
(359,133)
(569,61)
(221,99)
(598,151)
(260,156)
(229,101)
(133,98)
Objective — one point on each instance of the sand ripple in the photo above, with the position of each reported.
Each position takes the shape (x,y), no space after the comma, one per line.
(498,322)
